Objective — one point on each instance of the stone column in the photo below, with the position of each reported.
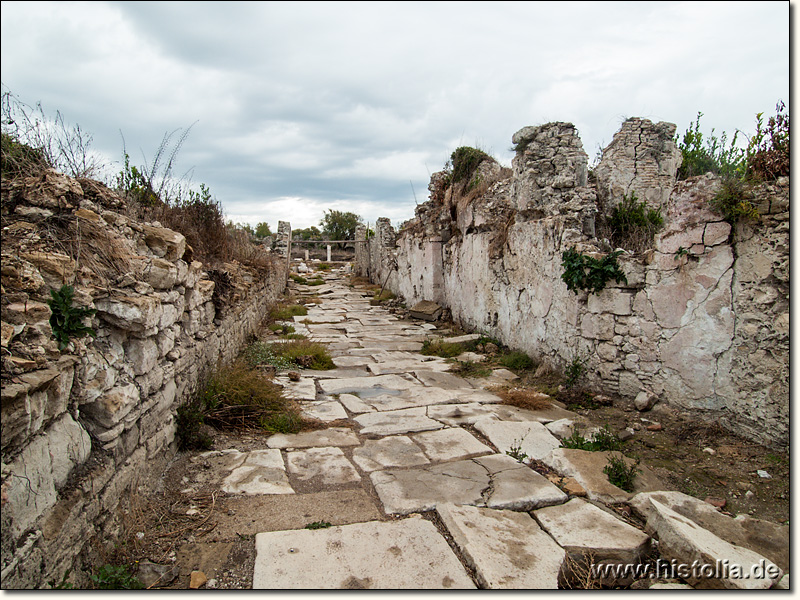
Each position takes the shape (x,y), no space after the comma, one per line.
(361,261)
(283,244)
(329,253)
(306,255)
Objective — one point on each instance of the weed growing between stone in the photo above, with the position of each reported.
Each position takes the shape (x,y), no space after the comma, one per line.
(516,451)
(516,360)
(441,348)
(67,320)
(318,525)
(574,371)
(524,398)
(601,441)
(115,577)
(584,272)
(301,353)
(468,368)
(285,312)
(620,474)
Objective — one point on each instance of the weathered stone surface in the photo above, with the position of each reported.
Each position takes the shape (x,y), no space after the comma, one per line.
(507,549)
(131,313)
(528,437)
(585,530)
(450,444)
(326,466)
(391,451)
(405,554)
(426,310)
(396,421)
(165,243)
(683,540)
(260,472)
(333,436)
(768,539)
(323,411)
(513,485)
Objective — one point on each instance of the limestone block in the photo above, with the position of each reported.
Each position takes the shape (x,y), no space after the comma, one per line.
(32,491)
(716,233)
(142,354)
(161,274)
(597,326)
(69,446)
(671,240)
(26,313)
(629,384)
(165,243)
(131,313)
(112,407)
(610,300)
(56,269)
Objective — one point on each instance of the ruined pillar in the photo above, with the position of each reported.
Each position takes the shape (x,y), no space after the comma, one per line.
(361,260)
(328,249)
(283,244)
(306,254)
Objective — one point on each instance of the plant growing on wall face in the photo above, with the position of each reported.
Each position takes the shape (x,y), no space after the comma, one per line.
(583,272)
(67,320)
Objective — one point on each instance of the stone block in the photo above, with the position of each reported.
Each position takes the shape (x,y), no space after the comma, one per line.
(426,310)
(164,243)
(610,300)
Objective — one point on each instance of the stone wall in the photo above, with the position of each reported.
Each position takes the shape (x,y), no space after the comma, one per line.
(81,427)
(705,329)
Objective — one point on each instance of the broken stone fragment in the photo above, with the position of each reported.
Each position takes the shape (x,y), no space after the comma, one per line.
(426,310)
(197,579)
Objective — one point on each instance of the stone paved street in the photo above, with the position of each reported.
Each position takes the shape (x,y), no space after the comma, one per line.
(437,501)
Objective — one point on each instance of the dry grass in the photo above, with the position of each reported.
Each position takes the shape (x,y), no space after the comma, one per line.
(526,398)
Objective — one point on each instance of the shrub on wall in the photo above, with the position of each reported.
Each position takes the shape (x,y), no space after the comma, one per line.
(583,272)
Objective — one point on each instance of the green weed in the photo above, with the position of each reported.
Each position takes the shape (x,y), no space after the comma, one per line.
(113,577)
(620,474)
(67,320)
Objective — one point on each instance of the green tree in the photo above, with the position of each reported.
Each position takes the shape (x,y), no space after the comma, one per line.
(338,225)
(262,230)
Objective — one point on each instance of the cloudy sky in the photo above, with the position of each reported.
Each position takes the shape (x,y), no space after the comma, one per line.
(302,107)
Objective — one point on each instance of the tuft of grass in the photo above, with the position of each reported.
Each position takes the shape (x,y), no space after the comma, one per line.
(620,474)
(298,278)
(302,353)
(285,312)
(516,360)
(382,297)
(524,398)
(441,348)
(468,368)
(318,525)
(239,396)
(516,451)
(323,267)
(115,577)
(262,353)
(601,441)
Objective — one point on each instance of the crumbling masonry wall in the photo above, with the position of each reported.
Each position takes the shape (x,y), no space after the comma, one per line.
(84,427)
(706,330)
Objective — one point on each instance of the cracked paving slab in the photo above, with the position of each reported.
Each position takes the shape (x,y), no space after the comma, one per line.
(325,466)
(408,554)
(507,549)
(529,437)
(396,421)
(495,481)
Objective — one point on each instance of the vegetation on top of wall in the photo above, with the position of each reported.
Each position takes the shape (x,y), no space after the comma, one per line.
(464,162)
(583,272)
(632,225)
(765,158)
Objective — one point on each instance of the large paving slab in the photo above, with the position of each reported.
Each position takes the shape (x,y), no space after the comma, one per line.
(529,437)
(587,468)
(355,404)
(387,452)
(684,541)
(333,436)
(261,472)
(322,466)
(305,389)
(365,387)
(584,530)
(769,539)
(450,444)
(443,380)
(507,549)
(494,481)
(323,410)
(381,555)
(396,421)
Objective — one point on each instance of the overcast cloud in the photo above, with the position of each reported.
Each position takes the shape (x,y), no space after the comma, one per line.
(303,107)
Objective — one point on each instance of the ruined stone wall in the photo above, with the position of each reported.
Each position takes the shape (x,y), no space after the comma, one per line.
(83,427)
(705,329)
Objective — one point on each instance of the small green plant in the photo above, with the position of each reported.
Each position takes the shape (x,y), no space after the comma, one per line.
(67,320)
(284,422)
(680,252)
(113,577)
(323,267)
(601,441)
(574,371)
(318,525)
(768,150)
(582,272)
(298,278)
(317,281)
(262,353)
(290,354)
(516,452)
(620,474)
(715,155)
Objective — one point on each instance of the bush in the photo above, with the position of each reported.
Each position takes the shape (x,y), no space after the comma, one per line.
(20,160)
(240,397)
(582,272)
(113,577)
(189,430)
(574,371)
(633,225)
(768,150)
(732,202)
(286,312)
(715,155)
